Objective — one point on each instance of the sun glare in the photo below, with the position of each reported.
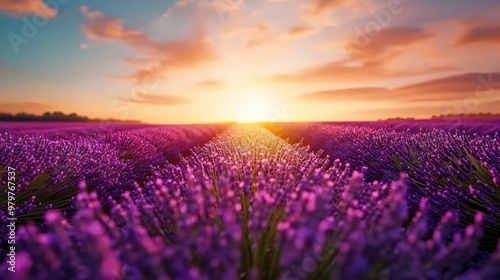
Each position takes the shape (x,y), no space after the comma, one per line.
(253,106)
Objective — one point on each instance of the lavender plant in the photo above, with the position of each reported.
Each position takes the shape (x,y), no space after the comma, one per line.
(248,205)
(454,170)
(49,169)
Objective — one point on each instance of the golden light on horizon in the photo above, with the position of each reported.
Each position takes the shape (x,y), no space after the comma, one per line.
(254,105)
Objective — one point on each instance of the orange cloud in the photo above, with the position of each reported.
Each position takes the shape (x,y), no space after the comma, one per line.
(454,87)
(260,35)
(137,60)
(486,34)
(262,28)
(385,45)
(367,62)
(322,6)
(153,99)
(26,7)
(300,31)
(173,55)
(265,33)
(107,28)
(469,85)
(211,84)
(349,94)
(341,71)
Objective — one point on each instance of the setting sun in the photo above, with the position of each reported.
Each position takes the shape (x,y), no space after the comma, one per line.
(253,106)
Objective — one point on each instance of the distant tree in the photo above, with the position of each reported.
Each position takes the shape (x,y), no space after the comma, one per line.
(54,117)
(462,116)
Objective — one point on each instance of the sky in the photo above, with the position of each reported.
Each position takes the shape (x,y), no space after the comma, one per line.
(206,61)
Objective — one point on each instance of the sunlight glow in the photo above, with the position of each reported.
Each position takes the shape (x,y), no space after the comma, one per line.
(253,106)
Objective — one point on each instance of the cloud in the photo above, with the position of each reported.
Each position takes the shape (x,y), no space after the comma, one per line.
(369,61)
(265,33)
(226,6)
(168,56)
(84,46)
(299,31)
(322,6)
(340,72)
(260,35)
(211,85)
(386,45)
(26,107)
(181,3)
(107,28)
(262,28)
(259,41)
(457,87)
(453,87)
(138,60)
(349,94)
(27,7)
(171,10)
(486,34)
(153,99)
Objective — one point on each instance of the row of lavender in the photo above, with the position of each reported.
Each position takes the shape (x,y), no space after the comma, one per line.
(478,125)
(48,171)
(59,130)
(248,205)
(455,170)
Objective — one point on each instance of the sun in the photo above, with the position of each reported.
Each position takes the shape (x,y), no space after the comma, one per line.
(253,106)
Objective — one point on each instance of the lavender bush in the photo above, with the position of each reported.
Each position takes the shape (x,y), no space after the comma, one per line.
(248,205)
(61,130)
(49,170)
(454,170)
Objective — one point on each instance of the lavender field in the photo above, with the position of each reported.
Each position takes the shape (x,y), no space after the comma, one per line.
(271,201)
